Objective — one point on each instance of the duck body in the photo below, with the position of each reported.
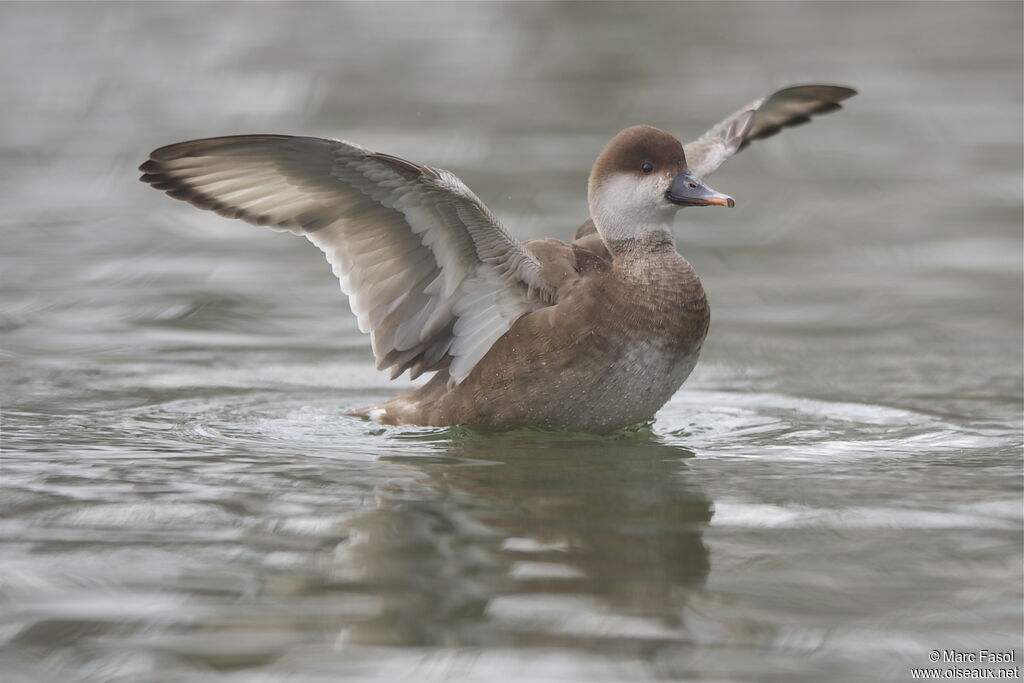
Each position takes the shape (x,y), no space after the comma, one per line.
(624,336)
(593,335)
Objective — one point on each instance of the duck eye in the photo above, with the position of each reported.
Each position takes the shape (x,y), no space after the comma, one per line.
(693,185)
(647,168)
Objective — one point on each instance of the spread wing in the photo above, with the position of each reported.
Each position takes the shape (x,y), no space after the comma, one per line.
(761,119)
(430,273)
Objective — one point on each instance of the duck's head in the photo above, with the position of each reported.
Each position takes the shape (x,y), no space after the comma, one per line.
(639,182)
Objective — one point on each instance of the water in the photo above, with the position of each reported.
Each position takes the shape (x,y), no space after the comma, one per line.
(835,493)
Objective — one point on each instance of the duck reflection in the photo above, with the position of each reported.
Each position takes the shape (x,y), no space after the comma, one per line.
(525,538)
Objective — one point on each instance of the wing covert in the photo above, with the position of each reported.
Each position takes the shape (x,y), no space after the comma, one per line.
(761,119)
(430,273)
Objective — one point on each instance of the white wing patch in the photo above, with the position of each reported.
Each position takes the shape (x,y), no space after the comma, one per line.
(429,272)
(707,153)
(483,313)
(760,119)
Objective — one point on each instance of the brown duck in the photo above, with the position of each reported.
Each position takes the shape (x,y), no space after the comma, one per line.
(593,335)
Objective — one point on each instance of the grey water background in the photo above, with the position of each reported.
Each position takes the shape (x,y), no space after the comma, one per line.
(835,493)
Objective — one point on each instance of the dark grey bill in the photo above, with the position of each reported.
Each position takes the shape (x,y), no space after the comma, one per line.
(691,191)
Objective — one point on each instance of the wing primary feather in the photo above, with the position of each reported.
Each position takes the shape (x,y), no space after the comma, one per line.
(408,243)
(792,106)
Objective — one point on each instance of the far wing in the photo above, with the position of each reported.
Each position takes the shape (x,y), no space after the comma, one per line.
(761,119)
(429,271)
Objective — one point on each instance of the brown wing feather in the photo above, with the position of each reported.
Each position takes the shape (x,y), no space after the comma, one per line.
(429,271)
(760,119)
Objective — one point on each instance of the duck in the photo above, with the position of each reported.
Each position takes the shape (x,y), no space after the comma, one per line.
(592,335)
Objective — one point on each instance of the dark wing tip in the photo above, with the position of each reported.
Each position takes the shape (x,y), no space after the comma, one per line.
(157,178)
(159,182)
(794,106)
(149,166)
(816,91)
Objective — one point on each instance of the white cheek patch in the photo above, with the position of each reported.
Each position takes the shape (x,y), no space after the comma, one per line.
(626,205)
(631,190)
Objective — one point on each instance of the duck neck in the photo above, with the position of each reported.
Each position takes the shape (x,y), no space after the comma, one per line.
(640,248)
(632,232)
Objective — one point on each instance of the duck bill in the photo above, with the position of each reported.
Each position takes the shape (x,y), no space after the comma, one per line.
(687,190)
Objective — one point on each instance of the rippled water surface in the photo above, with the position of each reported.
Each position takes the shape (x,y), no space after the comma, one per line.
(835,493)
